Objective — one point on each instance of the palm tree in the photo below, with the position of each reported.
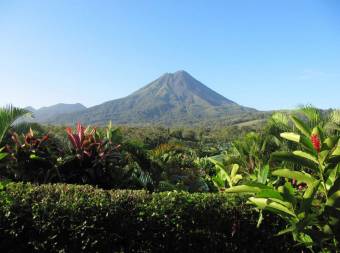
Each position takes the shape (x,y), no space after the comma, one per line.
(8,115)
(309,115)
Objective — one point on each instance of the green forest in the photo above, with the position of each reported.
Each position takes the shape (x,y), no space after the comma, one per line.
(269,186)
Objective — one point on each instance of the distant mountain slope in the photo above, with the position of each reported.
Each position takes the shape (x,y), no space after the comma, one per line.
(171,99)
(44,114)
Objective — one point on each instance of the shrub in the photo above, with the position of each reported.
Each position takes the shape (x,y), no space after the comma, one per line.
(31,159)
(70,218)
(94,159)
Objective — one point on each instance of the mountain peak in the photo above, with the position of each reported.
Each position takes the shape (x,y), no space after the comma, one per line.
(181,72)
(182,86)
(173,97)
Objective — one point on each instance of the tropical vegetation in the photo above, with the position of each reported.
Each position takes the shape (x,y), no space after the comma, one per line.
(280,179)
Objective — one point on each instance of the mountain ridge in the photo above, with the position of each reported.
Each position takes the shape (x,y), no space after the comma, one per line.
(173,98)
(43,114)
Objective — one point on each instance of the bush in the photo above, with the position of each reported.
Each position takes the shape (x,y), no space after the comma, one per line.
(70,218)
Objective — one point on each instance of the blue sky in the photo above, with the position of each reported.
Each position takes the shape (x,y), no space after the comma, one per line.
(262,54)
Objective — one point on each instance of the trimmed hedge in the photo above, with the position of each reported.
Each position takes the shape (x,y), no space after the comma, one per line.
(70,218)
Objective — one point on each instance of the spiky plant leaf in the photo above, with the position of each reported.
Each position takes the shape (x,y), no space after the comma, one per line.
(8,115)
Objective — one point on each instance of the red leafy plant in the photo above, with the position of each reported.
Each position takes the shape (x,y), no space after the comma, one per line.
(31,158)
(94,158)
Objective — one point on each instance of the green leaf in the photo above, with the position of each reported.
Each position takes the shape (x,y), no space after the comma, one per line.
(330,142)
(334,200)
(336,151)
(335,156)
(234,170)
(286,231)
(297,175)
(334,194)
(297,159)
(311,190)
(270,205)
(323,156)
(291,136)
(306,155)
(301,126)
(308,198)
(269,193)
(259,221)
(299,139)
(3,155)
(263,174)
(218,181)
(243,189)
(217,160)
(248,188)
(332,176)
(288,193)
(236,179)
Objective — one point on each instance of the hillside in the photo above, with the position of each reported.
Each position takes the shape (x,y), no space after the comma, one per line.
(44,114)
(173,98)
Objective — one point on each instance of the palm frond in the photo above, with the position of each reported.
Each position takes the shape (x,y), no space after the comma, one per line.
(335,117)
(8,115)
(312,114)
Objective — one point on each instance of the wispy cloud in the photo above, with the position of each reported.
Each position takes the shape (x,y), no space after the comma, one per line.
(313,74)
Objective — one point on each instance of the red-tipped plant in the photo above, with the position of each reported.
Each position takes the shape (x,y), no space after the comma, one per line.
(32,159)
(82,141)
(94,159)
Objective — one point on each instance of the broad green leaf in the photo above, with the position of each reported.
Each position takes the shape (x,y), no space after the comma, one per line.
(334,200)
(299,139)
(301,126)
(223,174)
(308,144)
(288,193)
(3,155)
(335,187)
(269,193)
(263,174)
(243,189)
(330,142)
(282,202)
(332,176)
(220,178)
(323,156)
(311,190)
(306,155)
(308,197)
(336,151)
(290,157)
(291,136)
(297,175)
(267,204)
(236,179)
(218,181)
(334,194)
(251,187)
(217,160)
(335,156)
(234,170)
